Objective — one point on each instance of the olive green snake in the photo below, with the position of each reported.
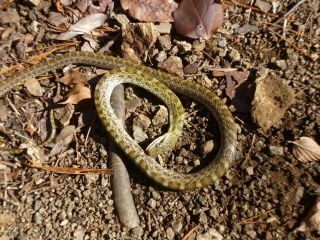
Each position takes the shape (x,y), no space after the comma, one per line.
(125,71)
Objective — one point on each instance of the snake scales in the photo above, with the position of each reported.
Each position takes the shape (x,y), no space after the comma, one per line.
(125,71)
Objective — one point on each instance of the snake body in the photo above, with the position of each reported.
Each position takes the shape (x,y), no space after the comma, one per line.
(147,78)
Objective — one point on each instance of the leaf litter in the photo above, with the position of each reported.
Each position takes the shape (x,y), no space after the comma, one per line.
(198,18)
(306,149)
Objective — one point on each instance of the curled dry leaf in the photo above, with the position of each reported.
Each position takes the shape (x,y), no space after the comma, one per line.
(79,90)
(59,6)
(73,77)
(150,10)
(306,149)
(198,18)
(85,25)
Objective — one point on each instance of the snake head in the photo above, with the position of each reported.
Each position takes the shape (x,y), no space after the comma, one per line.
(161,145)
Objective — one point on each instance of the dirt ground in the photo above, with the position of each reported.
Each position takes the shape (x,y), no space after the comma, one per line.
(266,194)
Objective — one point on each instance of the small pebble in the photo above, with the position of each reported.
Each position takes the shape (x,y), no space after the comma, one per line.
(161,116)
(207,147)
(138,134)
(64,222)
(250,170)
(170,233)
(276,150)
(191,69)
(152,203)
(137,232)
(37,218)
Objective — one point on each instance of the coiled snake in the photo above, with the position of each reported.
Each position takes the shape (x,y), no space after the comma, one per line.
(125,71)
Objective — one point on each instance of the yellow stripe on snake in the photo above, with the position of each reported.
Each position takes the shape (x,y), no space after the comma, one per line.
(148,78)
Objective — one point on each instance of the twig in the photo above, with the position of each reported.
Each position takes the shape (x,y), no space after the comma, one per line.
(296,47)
(290,11)
(250,220)
(185,237)
(68,170)
(247,156)
(236,2)
(5,195)
(17,204)
(123,199)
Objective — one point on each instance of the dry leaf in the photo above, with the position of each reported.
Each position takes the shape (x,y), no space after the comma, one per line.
(34,152)
(137,40)
(150,10)
(59,6)
(63,140)
(85,25)
(198,18)
(73,77)
(306,149)
(79,92)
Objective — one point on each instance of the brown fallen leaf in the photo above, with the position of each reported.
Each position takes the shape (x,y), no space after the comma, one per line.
(59,6)
(150,10)
(63,140)
(79,90)
(198,18)
(73,77)
(137,40)
(306,149)
(78,93)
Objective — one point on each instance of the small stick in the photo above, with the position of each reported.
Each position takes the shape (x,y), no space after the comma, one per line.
(189,233)
(290,11)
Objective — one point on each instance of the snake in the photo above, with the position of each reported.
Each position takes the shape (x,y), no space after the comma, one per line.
(161,84)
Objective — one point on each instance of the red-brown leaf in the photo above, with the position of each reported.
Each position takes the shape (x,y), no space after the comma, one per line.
(150,10)
(198,18)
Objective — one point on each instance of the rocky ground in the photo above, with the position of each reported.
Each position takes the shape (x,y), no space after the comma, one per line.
(266,194)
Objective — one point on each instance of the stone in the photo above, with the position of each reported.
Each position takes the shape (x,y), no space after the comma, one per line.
(170,233)
(211,234)
(142,121)
(138,134)
(207,147)
(172,64)
(152,203)
(161,116)
(234,55)
(165,42)
(37,218)
(276,150)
